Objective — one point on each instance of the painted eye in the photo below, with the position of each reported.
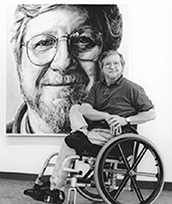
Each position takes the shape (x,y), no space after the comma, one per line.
(86,43)
(44,43)
(41,43)
(83,41)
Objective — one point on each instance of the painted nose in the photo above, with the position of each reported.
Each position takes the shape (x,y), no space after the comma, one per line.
(62,59)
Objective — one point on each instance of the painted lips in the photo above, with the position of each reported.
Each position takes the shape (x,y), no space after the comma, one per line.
(65,80)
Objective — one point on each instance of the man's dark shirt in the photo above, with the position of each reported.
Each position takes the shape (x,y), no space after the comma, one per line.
(123,98)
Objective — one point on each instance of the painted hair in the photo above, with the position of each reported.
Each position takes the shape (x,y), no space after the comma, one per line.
(106,18)
(109,53)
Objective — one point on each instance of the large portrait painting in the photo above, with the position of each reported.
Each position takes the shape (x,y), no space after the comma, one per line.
(54,61)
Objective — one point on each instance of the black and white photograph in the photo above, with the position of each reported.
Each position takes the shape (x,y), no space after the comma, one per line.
(86,102)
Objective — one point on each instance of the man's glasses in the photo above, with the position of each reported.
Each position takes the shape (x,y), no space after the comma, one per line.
(85,44)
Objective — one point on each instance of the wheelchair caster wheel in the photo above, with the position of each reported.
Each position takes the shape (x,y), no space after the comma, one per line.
(72,196)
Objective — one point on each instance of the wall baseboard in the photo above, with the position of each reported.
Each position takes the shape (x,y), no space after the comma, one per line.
(18,176)
(32,177)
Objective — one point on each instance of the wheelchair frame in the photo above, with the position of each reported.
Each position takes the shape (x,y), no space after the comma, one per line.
(105,181)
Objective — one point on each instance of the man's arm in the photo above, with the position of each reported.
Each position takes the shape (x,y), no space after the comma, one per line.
(115,121)
(142,117)
(92,114)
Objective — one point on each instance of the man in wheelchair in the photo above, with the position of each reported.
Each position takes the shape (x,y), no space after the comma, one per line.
(115,105)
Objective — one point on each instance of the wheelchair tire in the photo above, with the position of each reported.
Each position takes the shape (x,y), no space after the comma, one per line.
(145,186)
(88,194)
(89,190)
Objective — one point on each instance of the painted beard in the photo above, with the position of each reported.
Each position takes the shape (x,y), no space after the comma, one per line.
(55,97)
(56,112)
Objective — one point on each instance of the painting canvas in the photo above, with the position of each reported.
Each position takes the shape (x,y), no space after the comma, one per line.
(52,61)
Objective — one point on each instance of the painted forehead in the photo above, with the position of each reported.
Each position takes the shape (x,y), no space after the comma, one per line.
(63,19)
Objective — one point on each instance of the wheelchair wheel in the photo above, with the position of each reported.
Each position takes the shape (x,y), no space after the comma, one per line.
(143,173)
(86,184)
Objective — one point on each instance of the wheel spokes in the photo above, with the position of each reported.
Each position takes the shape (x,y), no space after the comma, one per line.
(130,173)
(121,186)
(124,157)
(139,157)
(137,189)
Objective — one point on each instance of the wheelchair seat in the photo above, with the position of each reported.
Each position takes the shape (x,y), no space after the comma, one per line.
(115,154)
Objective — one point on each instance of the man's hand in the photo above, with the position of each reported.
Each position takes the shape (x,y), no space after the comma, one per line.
(115,122)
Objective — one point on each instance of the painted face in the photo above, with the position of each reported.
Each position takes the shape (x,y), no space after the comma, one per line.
(57,67)
(112,68)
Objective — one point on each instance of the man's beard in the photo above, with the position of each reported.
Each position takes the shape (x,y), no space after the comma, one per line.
(53,106)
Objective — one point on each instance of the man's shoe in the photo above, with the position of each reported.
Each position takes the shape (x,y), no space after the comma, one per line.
(54,196)
(80,142)
(37,190)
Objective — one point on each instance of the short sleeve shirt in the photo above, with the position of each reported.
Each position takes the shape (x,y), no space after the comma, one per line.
(124,98)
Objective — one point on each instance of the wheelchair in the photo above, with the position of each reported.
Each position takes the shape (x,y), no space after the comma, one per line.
(117,174)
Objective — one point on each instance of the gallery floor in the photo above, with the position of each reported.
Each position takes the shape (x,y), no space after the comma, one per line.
(11,192)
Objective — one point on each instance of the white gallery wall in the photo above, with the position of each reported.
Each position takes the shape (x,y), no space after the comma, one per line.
(149,63)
